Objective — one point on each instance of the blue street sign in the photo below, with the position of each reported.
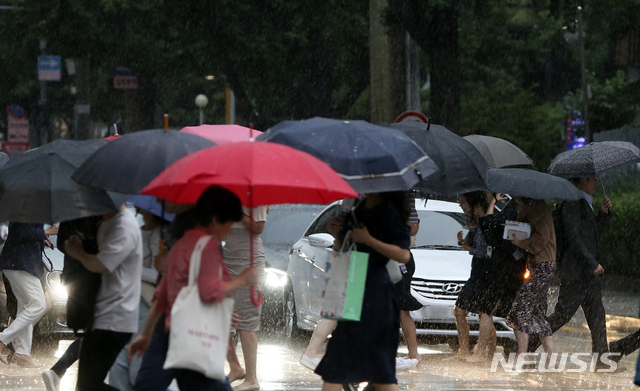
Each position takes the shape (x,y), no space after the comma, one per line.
(49,68)
(577,122)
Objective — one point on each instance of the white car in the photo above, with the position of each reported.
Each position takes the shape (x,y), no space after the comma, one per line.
(442,269)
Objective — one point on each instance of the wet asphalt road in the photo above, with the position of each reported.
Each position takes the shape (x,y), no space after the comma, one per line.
(278,367)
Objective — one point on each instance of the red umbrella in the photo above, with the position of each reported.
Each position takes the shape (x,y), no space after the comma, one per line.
(259,173)
(222,134)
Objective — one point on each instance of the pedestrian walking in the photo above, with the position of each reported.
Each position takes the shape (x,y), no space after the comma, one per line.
(473,295)
(579,266)
(21,263)
(366,350)
(119,259)
(216,211)
(237,257)
(528,317)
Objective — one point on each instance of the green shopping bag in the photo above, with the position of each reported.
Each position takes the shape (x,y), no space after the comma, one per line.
(345,279)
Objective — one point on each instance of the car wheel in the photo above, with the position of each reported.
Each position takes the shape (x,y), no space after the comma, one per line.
(290,318)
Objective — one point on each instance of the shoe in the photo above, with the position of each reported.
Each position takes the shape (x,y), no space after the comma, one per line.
(309,362)
(404,363)
(613,348)
(22,361)
(51,380)
(250,387)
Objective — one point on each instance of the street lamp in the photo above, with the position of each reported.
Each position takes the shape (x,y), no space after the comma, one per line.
(201,102)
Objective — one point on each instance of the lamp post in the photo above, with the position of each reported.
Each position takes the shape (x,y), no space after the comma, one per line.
(201,102)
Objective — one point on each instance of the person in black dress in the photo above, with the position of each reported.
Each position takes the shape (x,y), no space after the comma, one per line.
(366,350)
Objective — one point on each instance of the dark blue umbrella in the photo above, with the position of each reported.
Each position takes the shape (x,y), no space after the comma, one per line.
(462,168)
(128,163)
(150,204)
(370,158)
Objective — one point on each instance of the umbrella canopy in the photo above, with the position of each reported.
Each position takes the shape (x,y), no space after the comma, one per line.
(532,184)
(128,163)
(594,159)
(4,159)
(222,134)
(36,186)
(258,173)
(498,152)
(150,204)
(461,167)
(370,158)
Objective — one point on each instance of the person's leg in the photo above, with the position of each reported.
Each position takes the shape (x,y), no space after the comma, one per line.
(189,380)
(151,376)
(547,345)
(31,305)
(386,387)
(596,318)
(98,351)
(331,387)
(68,358)
(249,342)
(409,332)
(122,374)
(570,298)
(626,345)
(320,334)
(462,325)
(523,341)
(236,372)
(485,336)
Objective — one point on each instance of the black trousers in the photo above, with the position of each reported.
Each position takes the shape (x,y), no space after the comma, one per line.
(627,345)
(68,358)
(98,351)
(575,294)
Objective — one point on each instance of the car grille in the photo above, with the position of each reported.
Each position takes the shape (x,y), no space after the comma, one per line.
(434,290)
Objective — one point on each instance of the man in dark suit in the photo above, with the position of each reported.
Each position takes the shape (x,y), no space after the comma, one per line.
(579,267)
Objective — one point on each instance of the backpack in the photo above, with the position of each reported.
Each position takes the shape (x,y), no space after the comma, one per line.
(82,285)
(558,226)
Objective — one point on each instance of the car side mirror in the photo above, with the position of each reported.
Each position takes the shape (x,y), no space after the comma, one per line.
(321,240)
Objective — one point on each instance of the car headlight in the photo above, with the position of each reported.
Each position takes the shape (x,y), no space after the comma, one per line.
(54,280)
(275,278)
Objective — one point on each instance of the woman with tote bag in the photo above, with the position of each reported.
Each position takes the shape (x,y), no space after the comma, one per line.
(217,210)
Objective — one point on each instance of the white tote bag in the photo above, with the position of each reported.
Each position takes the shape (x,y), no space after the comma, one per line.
(199,334)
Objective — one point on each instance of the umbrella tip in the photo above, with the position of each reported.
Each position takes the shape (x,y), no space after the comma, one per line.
(429,124)
(166,122)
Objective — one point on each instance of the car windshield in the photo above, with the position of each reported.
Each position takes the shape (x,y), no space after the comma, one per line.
(439,230)
(287,223)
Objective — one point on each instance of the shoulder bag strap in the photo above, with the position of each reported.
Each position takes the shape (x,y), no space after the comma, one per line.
(196,256)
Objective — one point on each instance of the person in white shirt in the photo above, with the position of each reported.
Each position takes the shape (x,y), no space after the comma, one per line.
(119,259)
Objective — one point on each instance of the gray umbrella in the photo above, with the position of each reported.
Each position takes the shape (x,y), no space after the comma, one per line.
(36,186)
(498,152)
(461,167)
(594,159)
(532,184)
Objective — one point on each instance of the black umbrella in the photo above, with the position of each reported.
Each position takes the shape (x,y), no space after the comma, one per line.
(370,158)
(532,184)
(461,167)
(36,186)
(499,152)
(128,163)
(594,159)
(4,159)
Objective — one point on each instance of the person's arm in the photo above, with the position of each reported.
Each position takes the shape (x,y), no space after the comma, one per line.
(604,214)
(73,247)
(541,229)
(140,345)
(258,226)
(211,287)
(391,251)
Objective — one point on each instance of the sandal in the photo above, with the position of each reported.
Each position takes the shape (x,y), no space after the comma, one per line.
(237,377)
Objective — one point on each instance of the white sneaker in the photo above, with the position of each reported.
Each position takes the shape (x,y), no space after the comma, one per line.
(309,362)
(404,363)
(51,380)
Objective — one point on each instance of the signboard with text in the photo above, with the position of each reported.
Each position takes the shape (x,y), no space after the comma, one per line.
(49,68)
(13,148)
(18,124)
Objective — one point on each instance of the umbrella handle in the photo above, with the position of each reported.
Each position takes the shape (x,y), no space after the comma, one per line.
(256,300)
